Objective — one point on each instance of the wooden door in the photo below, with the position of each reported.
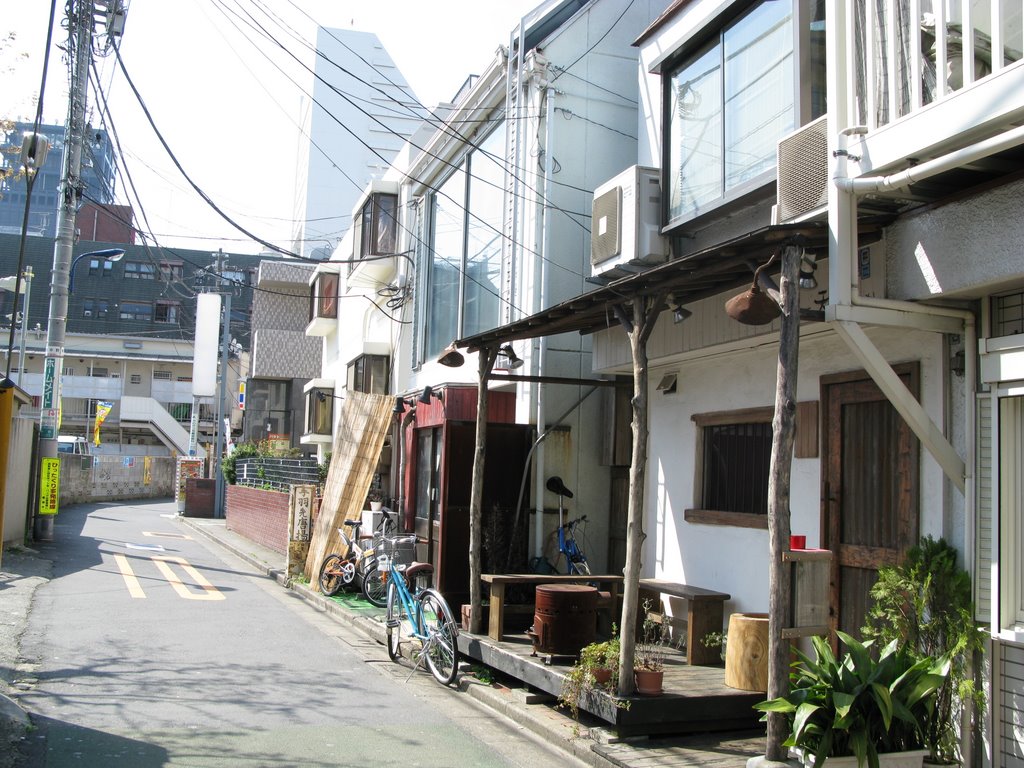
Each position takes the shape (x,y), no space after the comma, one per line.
(869,488)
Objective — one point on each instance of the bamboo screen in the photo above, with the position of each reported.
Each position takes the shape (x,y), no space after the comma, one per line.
(361,431)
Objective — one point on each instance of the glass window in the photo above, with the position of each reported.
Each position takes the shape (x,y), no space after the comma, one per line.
(464,282)
(171,270)
(376,227)
(323,296)
(136,310)
(101,267)
(319,411)
(728,105)
(166,312)
(138,270)
(369,373)
(735,451)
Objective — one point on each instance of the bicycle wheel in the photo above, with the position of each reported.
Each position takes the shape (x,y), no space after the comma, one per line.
(396,623)
(441,645)
(375,589)
(582,567)
(331,575)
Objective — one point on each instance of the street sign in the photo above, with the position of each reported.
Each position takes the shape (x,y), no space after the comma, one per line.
(241,395)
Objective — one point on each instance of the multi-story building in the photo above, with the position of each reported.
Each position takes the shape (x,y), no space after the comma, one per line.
(97,178)
(360,113)
(130,333)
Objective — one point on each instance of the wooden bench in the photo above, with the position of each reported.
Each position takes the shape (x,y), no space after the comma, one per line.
(705,610)
(497,582)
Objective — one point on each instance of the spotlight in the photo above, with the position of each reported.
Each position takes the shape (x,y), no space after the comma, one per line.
(807,267)
(680,313)
(514,361)
(451,357)
(399,408)
(428,392)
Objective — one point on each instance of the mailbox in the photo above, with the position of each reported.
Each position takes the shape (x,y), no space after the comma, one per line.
(810,573)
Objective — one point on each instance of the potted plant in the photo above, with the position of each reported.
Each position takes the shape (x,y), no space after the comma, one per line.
(597,667)
(860,711)
(925,604)
(375,498)
(649,655)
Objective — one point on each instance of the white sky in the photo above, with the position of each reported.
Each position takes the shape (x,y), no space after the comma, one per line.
(227,113)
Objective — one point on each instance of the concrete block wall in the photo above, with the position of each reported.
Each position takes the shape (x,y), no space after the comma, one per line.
(113,478)
(261,516)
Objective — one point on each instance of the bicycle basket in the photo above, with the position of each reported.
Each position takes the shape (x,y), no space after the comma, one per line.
(400,549)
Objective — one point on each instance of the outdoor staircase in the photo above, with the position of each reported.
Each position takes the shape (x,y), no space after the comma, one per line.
(147,412)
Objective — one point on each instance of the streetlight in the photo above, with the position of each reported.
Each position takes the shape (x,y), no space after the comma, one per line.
(109,254)
(11,284)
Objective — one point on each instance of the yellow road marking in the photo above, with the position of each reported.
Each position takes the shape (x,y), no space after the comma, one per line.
(134,588)
(167,535)
(209,592)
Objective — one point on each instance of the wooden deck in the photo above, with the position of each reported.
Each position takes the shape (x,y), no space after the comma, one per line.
(696,699)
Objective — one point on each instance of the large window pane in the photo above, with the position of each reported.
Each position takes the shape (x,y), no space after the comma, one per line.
(446,264)
(696,134)
(483,237)
(759,95)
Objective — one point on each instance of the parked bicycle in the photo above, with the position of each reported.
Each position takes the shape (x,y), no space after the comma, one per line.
(568,547)
(417,612)
(357,568)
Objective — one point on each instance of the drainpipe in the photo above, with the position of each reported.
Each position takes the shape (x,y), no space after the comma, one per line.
(848,290)
(544,94)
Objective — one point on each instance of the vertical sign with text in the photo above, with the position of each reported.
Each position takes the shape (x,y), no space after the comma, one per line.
(49,486)
(48,406)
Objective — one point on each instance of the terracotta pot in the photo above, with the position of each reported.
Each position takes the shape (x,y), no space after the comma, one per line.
(648,682)
(601,674)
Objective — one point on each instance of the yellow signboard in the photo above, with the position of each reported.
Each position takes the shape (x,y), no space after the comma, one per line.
(49,486)
(147,470)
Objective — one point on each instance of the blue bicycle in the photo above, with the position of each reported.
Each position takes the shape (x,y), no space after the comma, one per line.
(575,560)
(418,612)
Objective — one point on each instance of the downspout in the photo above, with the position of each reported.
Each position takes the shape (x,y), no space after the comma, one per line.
(847,292)
(544,97)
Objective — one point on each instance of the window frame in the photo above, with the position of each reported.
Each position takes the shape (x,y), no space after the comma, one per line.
(139,270)
(367,229)
(135,315)
(359,373)
(806,107)
(322,303)
(172,309)
(757,415)
(317,409)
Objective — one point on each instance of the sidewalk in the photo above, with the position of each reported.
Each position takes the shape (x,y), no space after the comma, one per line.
(719,750)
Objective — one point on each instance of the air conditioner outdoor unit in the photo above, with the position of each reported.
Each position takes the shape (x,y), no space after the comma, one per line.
(803,171)
(625,229)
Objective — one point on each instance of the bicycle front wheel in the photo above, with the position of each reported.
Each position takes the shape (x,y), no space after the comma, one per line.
(375,589)
(441,644)
(581,567)
(396,622)
(330,575)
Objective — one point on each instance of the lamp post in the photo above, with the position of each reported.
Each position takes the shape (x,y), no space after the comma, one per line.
(107,254)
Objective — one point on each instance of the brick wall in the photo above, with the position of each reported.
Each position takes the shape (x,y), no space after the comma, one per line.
(259,515)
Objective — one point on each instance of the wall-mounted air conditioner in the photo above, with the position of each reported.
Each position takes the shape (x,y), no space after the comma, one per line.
(802,173)
(625,230)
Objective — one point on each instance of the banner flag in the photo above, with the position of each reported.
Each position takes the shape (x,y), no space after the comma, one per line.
(103,408)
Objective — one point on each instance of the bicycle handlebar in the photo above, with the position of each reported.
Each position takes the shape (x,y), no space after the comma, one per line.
(577,521)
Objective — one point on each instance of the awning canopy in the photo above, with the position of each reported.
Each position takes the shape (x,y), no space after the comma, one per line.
(708,272)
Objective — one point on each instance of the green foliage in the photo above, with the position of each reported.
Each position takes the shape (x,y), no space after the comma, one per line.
(857,705)
(242,451)
(579,679)
(925,605)
(321,470)
(654,644)
(484,674)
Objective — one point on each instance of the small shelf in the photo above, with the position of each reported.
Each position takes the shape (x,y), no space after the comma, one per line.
(810,576)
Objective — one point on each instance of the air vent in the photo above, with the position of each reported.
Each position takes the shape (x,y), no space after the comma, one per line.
(606,240)
(803,171)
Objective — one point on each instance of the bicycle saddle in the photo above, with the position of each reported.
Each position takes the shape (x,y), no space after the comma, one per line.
(555,485)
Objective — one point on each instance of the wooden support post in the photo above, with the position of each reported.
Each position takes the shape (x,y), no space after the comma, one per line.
(783,435)
(487,356)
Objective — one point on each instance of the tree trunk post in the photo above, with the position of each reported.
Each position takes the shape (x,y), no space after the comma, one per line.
(783,433)
(486,356)
(645,315)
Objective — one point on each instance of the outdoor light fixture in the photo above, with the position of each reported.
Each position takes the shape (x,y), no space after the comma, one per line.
(428,392)
(680,313)
(401,404)
(754,306)
(109,254)
(808,264)
(514,361)
(451,357)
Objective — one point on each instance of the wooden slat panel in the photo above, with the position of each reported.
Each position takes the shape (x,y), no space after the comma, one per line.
(806,445)
(365,420)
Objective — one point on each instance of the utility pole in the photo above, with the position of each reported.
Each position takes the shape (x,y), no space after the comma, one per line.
(219,502)
(80,34)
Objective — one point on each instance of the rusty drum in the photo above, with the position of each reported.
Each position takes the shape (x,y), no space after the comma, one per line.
(565,619)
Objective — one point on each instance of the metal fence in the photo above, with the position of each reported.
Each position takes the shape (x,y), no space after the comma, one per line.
(276,474)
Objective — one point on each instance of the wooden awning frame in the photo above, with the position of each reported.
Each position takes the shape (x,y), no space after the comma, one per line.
(696,276)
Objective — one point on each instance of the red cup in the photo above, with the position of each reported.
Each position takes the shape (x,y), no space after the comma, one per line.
(797,542)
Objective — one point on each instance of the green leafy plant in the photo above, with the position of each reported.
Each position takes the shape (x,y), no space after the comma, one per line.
(242,451)
(925,605)
(718,640)
(582,678)
(484,674)
(859,705)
